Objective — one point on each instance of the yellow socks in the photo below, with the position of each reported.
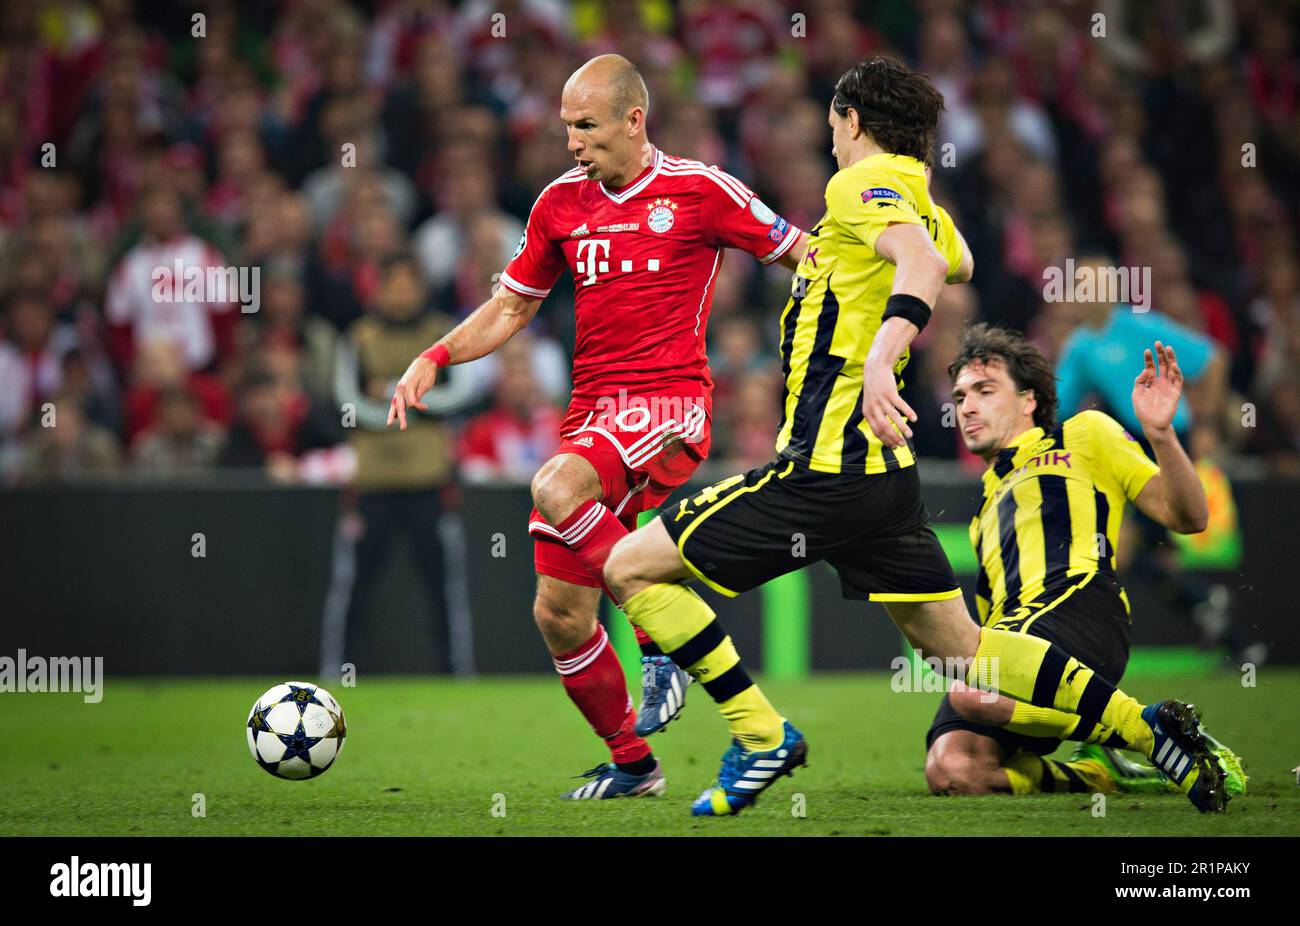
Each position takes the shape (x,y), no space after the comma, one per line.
(1031,669)
(689,633)
(1030,774)
(1028,720)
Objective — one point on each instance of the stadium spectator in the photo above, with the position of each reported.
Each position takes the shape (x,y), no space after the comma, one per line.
(1276,313)
(66,447)
(41,342)
(509,441)
(181,443)
(279,230)
(283,322)
(737,351)
(745,436)
(400,478)
(734,45)
(91,384)
(146,298)
(277,425)
(467,199)
(1277,430)
(159,367)
(363,234)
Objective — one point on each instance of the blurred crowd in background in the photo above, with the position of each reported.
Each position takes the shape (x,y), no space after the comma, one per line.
(376,162)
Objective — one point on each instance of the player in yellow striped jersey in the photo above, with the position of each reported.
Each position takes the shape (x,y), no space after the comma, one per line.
(1045,538)
(843,486)
(841,293)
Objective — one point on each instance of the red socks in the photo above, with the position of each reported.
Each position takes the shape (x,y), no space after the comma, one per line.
(593,678)
(592,674)
(591,532)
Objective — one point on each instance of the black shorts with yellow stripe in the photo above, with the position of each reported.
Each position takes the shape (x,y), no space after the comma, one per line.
(1088,620)
(873,529)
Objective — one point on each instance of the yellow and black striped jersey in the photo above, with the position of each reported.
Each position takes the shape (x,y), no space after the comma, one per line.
(837,300)
(1051,514)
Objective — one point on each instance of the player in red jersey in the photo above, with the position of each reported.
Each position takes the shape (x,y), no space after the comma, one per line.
(643,234)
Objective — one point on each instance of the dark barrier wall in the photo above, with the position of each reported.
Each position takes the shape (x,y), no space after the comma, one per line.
(111,572)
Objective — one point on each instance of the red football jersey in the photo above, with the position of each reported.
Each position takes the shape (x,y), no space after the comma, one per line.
(644,259)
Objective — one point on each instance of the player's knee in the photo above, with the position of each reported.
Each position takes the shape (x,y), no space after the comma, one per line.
(549,492)
(563,627)
(558,489)
(620,566)
(547,615)
(953,772)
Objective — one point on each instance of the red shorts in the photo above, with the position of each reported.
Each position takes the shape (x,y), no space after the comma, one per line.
(641,453)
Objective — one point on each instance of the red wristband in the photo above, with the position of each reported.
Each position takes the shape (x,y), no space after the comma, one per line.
(438,354)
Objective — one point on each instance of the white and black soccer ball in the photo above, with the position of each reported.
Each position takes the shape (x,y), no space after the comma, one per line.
(296,730)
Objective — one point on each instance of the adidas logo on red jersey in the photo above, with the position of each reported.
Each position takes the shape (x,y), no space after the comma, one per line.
(580,231)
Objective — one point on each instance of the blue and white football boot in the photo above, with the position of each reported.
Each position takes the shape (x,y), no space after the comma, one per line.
(663,694)
(608,782)
(1183,754)
(746,775)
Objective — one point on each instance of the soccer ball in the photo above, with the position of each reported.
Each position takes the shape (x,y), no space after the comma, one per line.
(295,730)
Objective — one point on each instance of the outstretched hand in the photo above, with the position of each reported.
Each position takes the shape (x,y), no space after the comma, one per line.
(1156,391)
(415,382)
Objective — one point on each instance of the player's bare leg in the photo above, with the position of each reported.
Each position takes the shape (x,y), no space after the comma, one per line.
(561,489)
(646,557)
(1032,670)
(566,615)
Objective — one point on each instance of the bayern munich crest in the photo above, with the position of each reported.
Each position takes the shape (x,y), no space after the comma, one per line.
(661,215)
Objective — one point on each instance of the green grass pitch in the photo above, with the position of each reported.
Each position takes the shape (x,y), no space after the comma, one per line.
(438,757)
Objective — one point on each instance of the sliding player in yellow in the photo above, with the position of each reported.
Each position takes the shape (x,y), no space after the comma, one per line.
(1054,496)
(845,475)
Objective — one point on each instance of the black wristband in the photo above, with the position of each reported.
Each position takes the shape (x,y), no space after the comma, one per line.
(912,308)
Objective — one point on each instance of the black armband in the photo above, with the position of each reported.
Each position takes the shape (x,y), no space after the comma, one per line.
(912,308)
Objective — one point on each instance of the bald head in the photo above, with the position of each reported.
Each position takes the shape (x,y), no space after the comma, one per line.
(603,108)
(610,82)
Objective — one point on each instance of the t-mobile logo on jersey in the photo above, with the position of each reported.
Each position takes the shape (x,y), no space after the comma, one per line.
(587,262)
(593,254)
